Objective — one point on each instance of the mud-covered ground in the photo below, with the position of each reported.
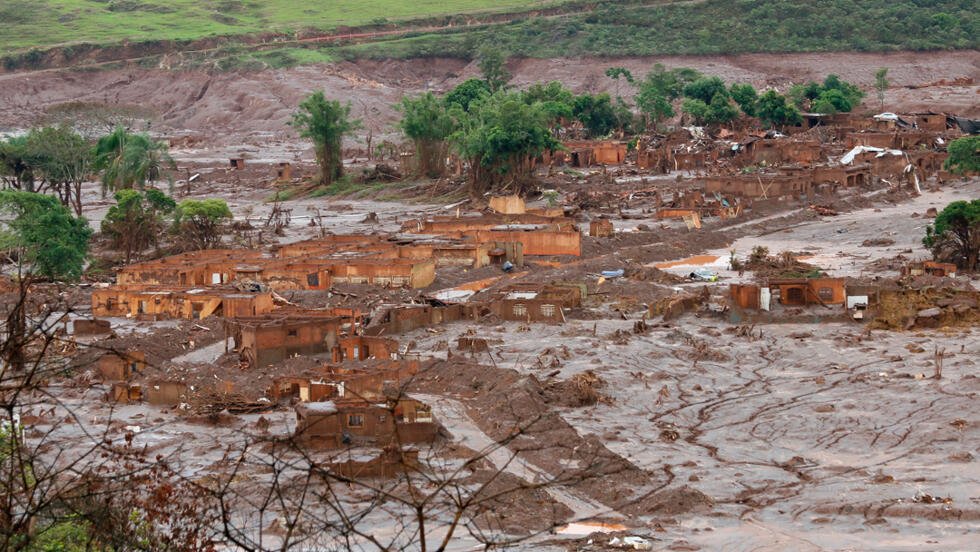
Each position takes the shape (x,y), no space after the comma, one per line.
(236,108)
(715,435)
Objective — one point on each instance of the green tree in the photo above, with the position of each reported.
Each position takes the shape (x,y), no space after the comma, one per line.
(668,83)
(18,163)
(803,94)
(696,109)
(500,139)
(198,224)
(773,109)
(596,113)
(881,85)
(746,97)
(721,110)
(831,101)
(65,159)
(43,236)
(556,100)
(654,105)
(849,90)
(466,93)
(136,221)
(964,155)
(130,160)
(493,67)
(659,88)
(833,96)
(325,123)
(955,234)
(426,121)
(705,89)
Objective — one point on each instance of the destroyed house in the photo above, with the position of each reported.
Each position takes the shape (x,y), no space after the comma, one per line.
(369,380)
(789,292)
(158,393)
(398,319)
(808,291)
(930,121)
(931,268)
(444,251)
(360,347)
(272,338)
(218,267)
(536,303)
(754,151)
(760,185)
(155,303)
(855,174)
(351,422)
(120,365)
(899,139)
(447,225)
(588,153)
(196,268)
(537,234)
(389,273)
(329,243)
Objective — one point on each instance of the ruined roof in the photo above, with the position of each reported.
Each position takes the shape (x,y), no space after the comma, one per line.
(323,408)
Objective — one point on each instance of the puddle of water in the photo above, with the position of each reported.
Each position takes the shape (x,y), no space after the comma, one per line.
(697,260)
(589,527)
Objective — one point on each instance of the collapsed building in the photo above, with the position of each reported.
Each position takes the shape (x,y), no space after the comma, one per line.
(163,303)
(352,422)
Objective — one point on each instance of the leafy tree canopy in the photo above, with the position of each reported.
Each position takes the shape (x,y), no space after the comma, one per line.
(136,221)
(745,96)
(964,155)
(596,113)
(773,109)
(705,89)
(501,137)
(955,234)
(833,96)
(425,118)
(466,93)
(428,123)
(130,160)
(46,238)
(493,66)
(325,123)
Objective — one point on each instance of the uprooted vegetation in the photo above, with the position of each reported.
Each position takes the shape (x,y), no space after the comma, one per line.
(786,264)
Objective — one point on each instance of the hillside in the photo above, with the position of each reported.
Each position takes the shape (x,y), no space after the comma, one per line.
(247,34)
(46,23)
(715,27)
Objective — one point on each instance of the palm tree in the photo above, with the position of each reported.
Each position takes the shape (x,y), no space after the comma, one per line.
(129,160)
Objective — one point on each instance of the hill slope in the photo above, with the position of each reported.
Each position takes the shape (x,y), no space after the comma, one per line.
(46,23)
(254,34)
(715,27)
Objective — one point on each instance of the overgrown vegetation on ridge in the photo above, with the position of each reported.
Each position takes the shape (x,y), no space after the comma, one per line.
(610,29)
(714,27)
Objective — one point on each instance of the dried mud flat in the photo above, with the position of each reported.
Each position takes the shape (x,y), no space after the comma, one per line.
(709,435)
(715,436)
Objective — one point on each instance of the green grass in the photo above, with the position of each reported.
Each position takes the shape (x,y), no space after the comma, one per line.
(42,24)
(711,27)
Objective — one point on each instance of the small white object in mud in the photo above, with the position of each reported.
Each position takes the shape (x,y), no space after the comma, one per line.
(632,542)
